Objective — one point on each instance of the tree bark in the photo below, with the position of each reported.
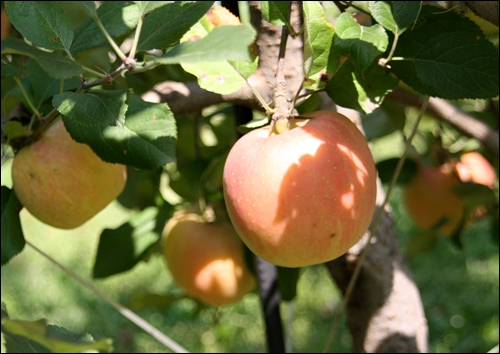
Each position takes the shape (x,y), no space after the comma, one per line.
(385,312)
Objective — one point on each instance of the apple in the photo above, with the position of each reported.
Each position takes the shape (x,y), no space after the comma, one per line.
(429,198)
(473,167)
(64,183)
(304,196)
(206,259)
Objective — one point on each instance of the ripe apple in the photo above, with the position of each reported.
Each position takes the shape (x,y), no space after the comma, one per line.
(429,198)
(206,259)
(64,183)
(304,196)
(473,167)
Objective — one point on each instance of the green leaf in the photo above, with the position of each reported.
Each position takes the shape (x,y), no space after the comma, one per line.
(362,44)
(94,107)
(275,12)
(146,141)
(12,232)
(54,338)
(164,27)
(311,104)
(89,7)
(318,37)
(141,189)
(148,6)
(366,91)
(43,23)
(55,65)
(395,16)
(122,248)
(222,77)
(117,17)
(386,119)
(387,168)
(9,71)
(42,86)
(446,55)
(459,65)
(475,195)
(221,44)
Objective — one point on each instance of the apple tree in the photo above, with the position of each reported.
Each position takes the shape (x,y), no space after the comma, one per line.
(172,91)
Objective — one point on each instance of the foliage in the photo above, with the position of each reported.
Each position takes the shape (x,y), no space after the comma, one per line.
(91,66)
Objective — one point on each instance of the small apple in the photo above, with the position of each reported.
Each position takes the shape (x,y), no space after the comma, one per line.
(429,198)
(64,183)
(473,167)
(304,196)
(206,259)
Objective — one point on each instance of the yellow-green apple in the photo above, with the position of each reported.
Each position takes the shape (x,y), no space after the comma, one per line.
(64,183)
(206,259)
(430,200)
(304,196)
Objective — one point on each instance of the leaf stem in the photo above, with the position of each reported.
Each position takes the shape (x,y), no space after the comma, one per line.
(137,34)
(27,98)
(140,322)
(93,72)
(373,229)
(115,47)
(393,49)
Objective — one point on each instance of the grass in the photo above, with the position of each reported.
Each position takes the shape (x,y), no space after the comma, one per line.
(459,289)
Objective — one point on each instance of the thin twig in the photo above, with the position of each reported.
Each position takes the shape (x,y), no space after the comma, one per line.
(140,322)
(444,110)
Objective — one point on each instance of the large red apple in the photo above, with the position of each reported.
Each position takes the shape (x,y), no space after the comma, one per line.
(206,259)
(430,200)
(64,183)
(304,196)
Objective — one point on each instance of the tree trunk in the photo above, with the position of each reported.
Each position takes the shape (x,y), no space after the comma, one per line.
(385,312)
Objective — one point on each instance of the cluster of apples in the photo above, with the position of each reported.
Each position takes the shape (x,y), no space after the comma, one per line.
(295,199)
(298,198)
(430,198)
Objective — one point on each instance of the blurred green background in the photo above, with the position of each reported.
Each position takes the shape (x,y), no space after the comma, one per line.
(459,289)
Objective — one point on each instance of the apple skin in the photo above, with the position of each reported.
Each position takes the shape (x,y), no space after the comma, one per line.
(304,196)
(429,198)
(206,259)
(64,183)
(473,167)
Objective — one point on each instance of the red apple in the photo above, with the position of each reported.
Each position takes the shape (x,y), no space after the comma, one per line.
(473,167)
(64,183)
(206,259)
(429,198)
(304,196)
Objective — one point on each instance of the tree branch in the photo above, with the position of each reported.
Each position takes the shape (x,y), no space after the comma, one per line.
(444,110)
(487,10)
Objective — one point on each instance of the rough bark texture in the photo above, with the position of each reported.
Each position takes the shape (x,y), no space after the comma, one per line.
(385,313)
(487,10)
